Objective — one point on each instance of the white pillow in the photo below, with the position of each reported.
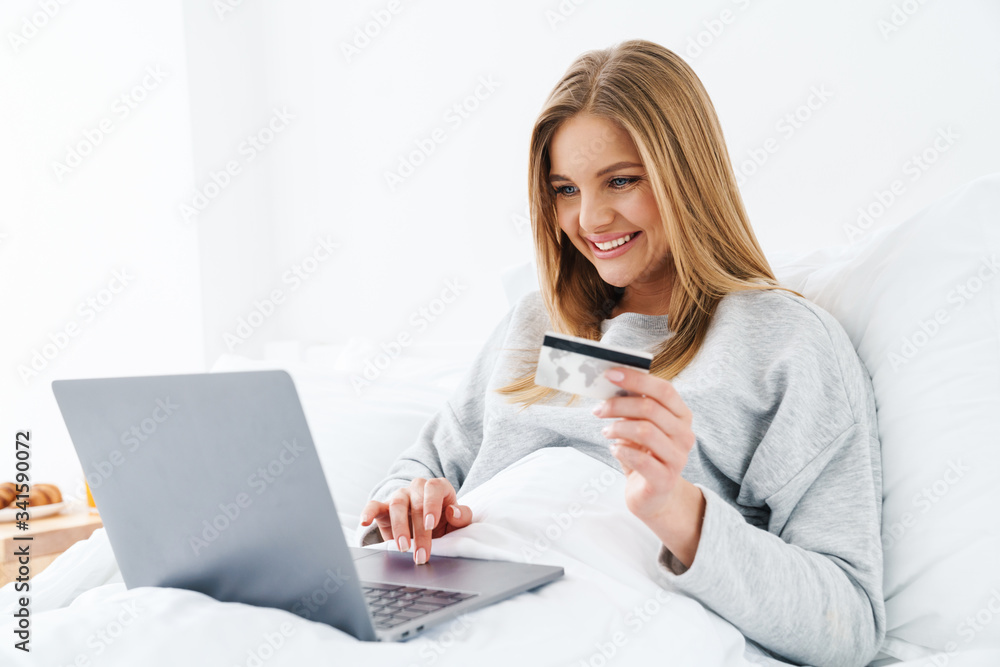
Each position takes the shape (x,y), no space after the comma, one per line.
(921,302)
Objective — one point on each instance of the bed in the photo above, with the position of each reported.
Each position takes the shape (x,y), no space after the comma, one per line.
(921,303)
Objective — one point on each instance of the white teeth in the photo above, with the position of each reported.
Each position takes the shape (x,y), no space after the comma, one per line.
(614,244)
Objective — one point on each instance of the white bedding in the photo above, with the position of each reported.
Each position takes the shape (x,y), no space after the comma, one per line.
(82,613)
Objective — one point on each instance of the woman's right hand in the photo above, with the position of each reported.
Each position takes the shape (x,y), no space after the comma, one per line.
(425,509)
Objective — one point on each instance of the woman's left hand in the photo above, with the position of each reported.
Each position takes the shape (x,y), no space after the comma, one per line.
(654,440)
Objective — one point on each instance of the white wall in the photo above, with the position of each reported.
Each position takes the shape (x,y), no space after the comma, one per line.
(879,96)
(460,216)
(64,240)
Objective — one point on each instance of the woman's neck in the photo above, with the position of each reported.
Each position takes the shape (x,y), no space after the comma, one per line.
(649,302)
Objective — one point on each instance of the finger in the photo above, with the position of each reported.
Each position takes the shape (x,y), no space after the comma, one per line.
(399,518)
(438,493)
(648,408)
(372,509)
(645,384)
(379,513)
(648,436)
(625,467)
(421,536)
(457,516)
(654,472)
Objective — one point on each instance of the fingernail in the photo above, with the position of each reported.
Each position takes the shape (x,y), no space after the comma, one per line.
(599,408)
(614,376)
(458,512)
(429,522)
(421,556)
(606,430)
(404,544)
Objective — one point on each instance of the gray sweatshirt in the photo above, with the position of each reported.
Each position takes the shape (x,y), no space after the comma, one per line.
(787,456)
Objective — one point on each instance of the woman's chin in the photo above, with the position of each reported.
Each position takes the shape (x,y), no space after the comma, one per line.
(615,280)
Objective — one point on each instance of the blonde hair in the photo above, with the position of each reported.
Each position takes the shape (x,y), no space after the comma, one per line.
(656,97)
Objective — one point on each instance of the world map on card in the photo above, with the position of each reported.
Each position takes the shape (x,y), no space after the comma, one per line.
(575,373)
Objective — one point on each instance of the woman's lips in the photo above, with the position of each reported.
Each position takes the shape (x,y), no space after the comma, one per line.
(614,252)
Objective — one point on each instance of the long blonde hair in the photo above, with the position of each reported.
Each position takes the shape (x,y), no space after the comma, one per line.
(657,98)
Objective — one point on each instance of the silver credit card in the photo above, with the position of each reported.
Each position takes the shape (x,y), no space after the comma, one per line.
(576,365)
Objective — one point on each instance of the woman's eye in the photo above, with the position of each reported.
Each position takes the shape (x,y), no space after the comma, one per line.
(562,190)
(623,181)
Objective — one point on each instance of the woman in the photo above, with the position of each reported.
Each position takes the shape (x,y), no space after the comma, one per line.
(751,448)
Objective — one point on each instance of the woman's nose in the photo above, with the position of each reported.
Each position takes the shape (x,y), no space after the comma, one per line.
(594,214)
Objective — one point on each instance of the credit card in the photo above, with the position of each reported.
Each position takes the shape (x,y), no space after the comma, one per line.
(576,365)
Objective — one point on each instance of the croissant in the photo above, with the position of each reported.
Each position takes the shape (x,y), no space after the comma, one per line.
(44,494)
(8,492)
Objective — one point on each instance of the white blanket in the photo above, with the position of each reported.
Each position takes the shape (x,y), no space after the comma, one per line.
(556,506)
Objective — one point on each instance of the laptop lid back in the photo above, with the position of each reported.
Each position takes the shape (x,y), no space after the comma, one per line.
(212,483)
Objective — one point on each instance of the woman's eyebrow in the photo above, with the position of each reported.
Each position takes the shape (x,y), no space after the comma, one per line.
(616,166)
(606,170)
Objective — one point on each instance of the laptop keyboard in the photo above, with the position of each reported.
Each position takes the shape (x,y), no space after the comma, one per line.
(392,605)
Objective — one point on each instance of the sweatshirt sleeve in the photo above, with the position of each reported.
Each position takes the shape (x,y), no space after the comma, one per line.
(448,443)
(809,588)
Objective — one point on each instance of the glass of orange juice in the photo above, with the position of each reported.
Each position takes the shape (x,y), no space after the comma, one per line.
(90,498)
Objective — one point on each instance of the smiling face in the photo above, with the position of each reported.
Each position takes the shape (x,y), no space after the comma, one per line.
(603,195)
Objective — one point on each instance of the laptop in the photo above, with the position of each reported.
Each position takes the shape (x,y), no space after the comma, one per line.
(211,483)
